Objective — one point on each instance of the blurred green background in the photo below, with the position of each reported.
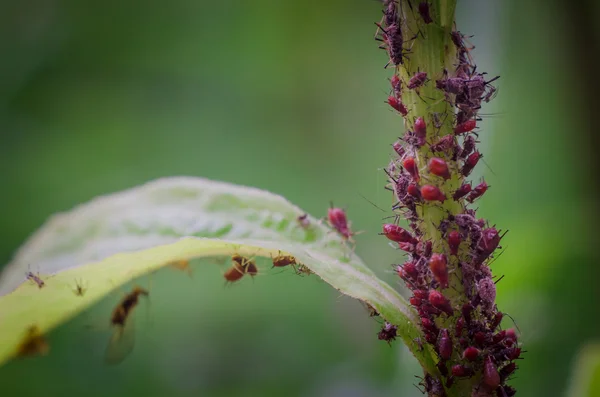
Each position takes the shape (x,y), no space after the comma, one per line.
(287,96)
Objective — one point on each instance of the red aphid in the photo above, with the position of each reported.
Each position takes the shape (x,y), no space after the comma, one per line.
(430,338)
(471,353)
(424,11)
(466,311)
(441,366)
(421,293)
(491,377)
(398,105)
(514,353)
(507,370)
(429,325)
(460,371)
(424,248)
(338,220)
(466,126)
(443,144)
(477,191)
(470,163)
(462,191)
(490,238)
(414,191)
(440,302)
(454,241)
(411,270)
(416,302)
(396,84)
(511,336)
(445,345)
(432,193)
(480,338)
(468,146)
(498,337)
(438,166)
(460,325)
(410,165)
(396,233)
(496,321)
(439,267)
(398,148)
(420,131)
(426,310)
(407,246)
(417,80)
(508,391)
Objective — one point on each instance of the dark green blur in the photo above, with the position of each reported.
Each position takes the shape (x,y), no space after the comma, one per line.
(286,96)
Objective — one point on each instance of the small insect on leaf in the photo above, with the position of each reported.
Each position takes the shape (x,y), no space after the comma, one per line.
(33,343)
(79,289)
(35,278)
(122,340)
(303,269)
(183,266)
(303,221)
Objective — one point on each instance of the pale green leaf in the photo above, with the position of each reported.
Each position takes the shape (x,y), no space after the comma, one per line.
(117,238)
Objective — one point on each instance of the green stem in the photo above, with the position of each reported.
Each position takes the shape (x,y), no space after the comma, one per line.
(433,52)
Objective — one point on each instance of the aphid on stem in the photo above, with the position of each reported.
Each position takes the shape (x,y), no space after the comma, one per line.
(432,193)
(417,80)
(425,12)
(477,192)
(438,167)
(397,105)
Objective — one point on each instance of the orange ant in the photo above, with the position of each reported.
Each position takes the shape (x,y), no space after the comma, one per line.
(33,343)
(122,341)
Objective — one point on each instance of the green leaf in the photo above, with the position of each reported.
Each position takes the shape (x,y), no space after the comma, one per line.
(117,238)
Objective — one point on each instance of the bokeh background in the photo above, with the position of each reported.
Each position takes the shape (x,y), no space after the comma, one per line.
(288,96)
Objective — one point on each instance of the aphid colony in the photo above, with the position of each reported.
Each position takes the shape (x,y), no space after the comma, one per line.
(427,175)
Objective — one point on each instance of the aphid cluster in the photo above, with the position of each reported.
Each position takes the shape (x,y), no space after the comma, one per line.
(429,169)
(391,33)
